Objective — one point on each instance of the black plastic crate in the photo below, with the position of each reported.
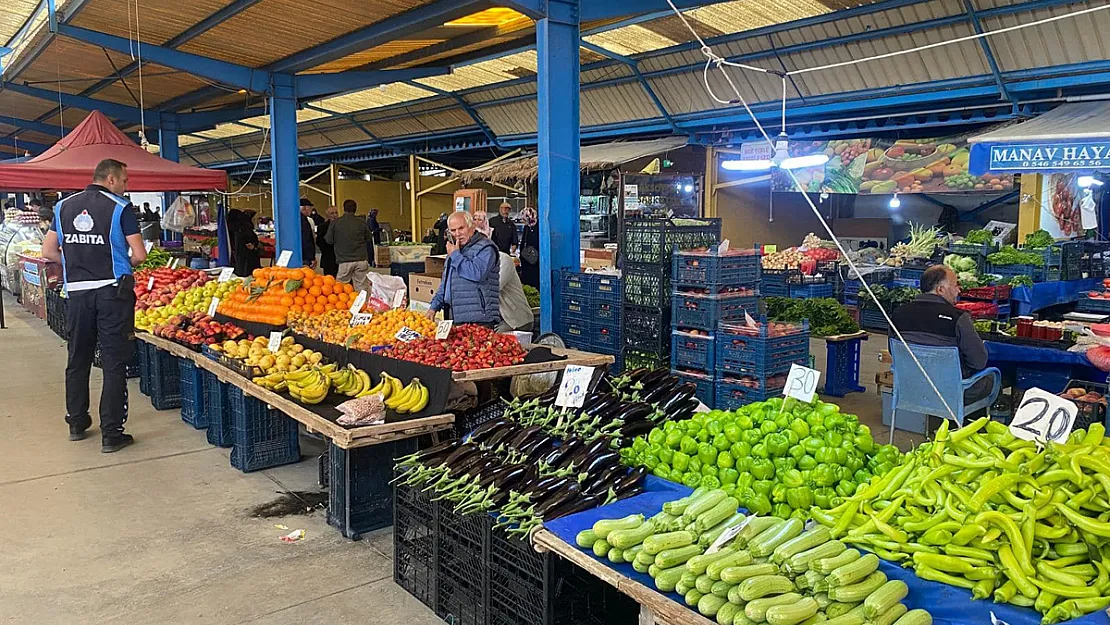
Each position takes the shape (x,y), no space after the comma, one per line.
(647,285)
(647,329)
(632,359)
(132,370)
(462,567)
(263,437)
(654,240)
(359,497)
(192,395)
(143,351)
(415,543)
(165,380)
(217,411)
(1090,412)
(467,420)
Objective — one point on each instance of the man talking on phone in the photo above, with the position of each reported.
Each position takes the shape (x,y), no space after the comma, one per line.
(470,289)
(95,236)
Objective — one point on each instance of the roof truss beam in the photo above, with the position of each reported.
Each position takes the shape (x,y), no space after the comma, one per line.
(634,67)
(985,45)
(111,109)
(470,110)
(30,146)
(27,124)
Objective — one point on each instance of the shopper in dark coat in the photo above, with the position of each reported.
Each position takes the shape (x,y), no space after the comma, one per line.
(308,235)
(245,247)
(530,249)
(328,264)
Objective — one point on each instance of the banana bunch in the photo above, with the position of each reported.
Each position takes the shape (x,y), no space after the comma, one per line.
(274,381)
(310,386)
(412,398)
(387,387)
(350,381)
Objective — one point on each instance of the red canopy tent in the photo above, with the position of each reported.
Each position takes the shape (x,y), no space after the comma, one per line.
(69,164)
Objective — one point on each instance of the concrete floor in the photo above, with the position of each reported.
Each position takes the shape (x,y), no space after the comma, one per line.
(160,532)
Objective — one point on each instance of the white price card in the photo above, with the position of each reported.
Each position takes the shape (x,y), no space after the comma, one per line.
(170,261)
(443,329)
(801,383)
(275,342)
(407,335)
(575,386)
(148,245)
(1042,416)
(150,284)
(284,258)
(726,536)
(399,298)
(225,274)
(212,306)
(360,301)
(360,319)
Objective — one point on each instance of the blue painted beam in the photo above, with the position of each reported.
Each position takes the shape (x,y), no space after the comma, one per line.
(111,109)
(26,124)
(285,177)
(635,68)
(30,146)
(313,86)
(470,111)
(167,138)
(223,72)
(203,120)
(985,45)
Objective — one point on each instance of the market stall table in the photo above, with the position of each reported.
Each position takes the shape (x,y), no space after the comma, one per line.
(1029,299)
(1042,367)
(572,357)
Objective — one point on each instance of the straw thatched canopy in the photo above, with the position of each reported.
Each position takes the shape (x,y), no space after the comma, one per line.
(593,157)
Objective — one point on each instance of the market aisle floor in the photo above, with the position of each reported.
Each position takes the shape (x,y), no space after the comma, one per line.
(160,532)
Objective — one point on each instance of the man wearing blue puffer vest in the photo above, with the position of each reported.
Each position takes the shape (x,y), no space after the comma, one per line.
(469,292)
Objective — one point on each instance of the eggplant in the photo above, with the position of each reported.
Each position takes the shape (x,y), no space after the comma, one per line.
(463,451)
(492,475)
(568,448)
(573,506)
(464,465)
(537,451)
(661,391)
(636,374)
(681,393)
(648,380)
(487,429)
(570,491)
(501,435)
(524,436)
(513,475)
(681,412)
(539,493)
(608,400)
(634,478)
(587,450)
(637,428)
(634,412)
(599,463)
(483,466)
(435,450)
(593,399)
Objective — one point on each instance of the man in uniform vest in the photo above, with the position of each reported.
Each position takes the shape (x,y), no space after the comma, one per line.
(95,236)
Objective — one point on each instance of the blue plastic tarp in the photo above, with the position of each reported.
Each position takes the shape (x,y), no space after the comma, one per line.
(1000,353)
(1044,294)
(948,605)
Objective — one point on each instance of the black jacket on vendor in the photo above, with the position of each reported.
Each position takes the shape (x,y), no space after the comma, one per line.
(930,320)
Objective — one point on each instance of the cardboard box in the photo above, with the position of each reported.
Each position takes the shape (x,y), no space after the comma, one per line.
(422,287)
(381,256)
(433,265)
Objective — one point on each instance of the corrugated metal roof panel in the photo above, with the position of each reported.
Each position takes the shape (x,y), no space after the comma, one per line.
(184,140)
(345,135)
(488,72)
(629,40)
(312,140)
(1066,41)
(225,130)
(379,53)
(418,124)
(372,98)
(513,118)
(501,93)
(13,16)
(614,104)
(157,21)
(741,15)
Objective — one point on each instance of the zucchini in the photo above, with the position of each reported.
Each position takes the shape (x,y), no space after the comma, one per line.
(678,506)
(727,613)
(616,556)
(644,558)
(742,619)
(717,514)
(754,526)
(890,616)
(823,600)
(763,585)
(721,589)
(853,572)
(740,558)
(711,536)
(915,617)
(693,597)
(793,613)
(682,587)
(697,564)
(704,584)
(604,526)
(662,521)
(689,579)
(737,574)
(765,543)
(799,562)
(828,565)
(852,617)
(885,598)
(703,504)
(812,580)
(623,539)
(667,578)
(858,592)
(708,605)
(734,596)
(631,553)
(803,542)
(815,619)
(756,611)
(653,571)
(671,540)
(838,608)
(601,548)
(640,567)
(673,557)
(585,539)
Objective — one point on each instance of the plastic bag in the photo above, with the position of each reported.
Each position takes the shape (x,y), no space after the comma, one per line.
(386,292)
(179,215)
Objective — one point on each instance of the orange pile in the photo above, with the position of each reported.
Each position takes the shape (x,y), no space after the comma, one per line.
(275,292)
(334,327)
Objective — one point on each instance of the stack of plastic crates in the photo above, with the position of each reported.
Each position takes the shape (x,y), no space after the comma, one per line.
(1050,269)
(823,281)
(590,315)
(216,409)
(776,282)
(192,394)
(999,296)
(263,437)
(880,276)
(709,287)
(753,360)
(415,543)
(1094,305)
(165,380)
(358,492)
(56,309)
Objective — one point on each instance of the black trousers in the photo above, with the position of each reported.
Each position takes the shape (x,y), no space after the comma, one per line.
(105,316)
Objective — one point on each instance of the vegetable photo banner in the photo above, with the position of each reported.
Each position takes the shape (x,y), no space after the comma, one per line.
(884,166)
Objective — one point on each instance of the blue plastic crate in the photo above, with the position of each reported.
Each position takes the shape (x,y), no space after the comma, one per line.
(577,307)
(607,312)
(165,381)
(606,338)
(1093,305)
(606,288)
(264,437)
(1038,274)
(578,284)
(217,410)
(575,330)
(1053,255)
(911,283)
(910,273)
(360,497)
(732,395)
(811,291)
(704,312)
(774,290)
(709,269)
(740,350)
(872,319)
(972,249)
(706,383)
(690,351)
(192,395)
(842,367)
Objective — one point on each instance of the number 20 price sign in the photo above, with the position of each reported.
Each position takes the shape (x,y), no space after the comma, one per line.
(1042,417)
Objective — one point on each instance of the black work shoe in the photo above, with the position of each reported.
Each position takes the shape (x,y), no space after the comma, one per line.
(77,430)
(116,443)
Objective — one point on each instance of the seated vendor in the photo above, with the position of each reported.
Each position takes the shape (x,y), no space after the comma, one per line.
(932,319)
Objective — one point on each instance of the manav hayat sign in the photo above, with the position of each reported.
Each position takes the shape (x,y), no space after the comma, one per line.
(1043,156)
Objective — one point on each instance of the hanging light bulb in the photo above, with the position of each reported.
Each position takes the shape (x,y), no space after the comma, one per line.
(895,202)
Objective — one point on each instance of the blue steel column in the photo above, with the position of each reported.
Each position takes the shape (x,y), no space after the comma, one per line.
(167,138)
(285,176)
(557,38)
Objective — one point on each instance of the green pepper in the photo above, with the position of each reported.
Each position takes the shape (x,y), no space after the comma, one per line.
(800,427)
(845,488)
(694,465)
(861,476)
(834,422)
(781,510)
(811,444)
(759,504)
(751,437)
(800,498)
(854,461)
(702,436)
(763,487)
(864,442)
(657,437)
(818,430)
(759,450)
(762,469)
(744,422)
(814,419)
(745,481)
(688,445)
(662,471)
(784,464)
(680,461)
(725,460)
(841,455)
(740,450)
(822,497)
(782,421)
(674,439)
(851,421)
(709,469)
(714,427)
(825,455)
(639,445)
(650,461)
(792,478)
(710,481)
(768,427)
(666,455)
(728,476)
(744,495)
(729,489)
(777,444)
(707,453)
(743,464)
(833,439)
(778,492)
(721,442)
(732,433)
(797,452)
(807,462)
(691,480)
(824,475)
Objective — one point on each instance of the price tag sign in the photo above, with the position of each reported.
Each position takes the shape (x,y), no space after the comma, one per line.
(213,306)
(726,536)
(150,284)
(169,262)
(360,301)
(275,342)
(1043,417)
(148,245)
(576,383)
(284,258)
(407,335)
(443,329)
(770,249)
(225,274)
(801,383)
(360,319)
(399,298)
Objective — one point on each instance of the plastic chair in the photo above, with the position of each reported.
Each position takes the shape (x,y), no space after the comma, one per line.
(912,391)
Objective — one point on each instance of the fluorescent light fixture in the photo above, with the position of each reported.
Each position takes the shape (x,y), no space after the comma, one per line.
(1088,181)
(895,202)
(801,162)
(738,165)
(688,188)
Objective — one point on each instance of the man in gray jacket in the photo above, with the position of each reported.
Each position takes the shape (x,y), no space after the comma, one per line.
(471,277)
(349,235)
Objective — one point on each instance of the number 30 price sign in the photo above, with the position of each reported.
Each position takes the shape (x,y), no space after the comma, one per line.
(1042,417)
(801,383)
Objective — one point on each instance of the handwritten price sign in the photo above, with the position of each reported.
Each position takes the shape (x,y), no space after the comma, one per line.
(275,342)
(1042,417)
(443,329)
(407,335)
(360,301)
(575,386)
(801,383)
(225,274)
(360,319)
(284,258)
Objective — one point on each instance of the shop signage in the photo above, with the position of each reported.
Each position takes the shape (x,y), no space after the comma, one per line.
(756,151)
(631,196)
(1042,417)
(31,273)
(1050,156)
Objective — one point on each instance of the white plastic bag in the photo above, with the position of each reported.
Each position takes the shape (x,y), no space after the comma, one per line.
(179,215)
(386,292)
